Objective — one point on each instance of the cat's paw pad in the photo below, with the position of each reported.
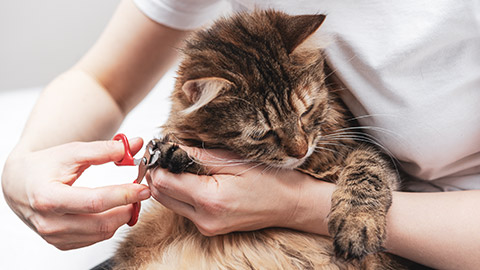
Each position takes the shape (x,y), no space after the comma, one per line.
(173,158)
(357,235)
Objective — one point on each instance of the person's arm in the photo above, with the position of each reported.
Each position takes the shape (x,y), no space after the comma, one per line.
(440,230)
(89,101)
(86,103)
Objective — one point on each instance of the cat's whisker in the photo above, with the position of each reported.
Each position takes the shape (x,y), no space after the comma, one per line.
(334,70)
(372,116)
(363,137)
(351,133)
(334,144)
(220,163)
(326,149)
(265,170)
(246,170)
(391,134)
(383,130)
(358,138)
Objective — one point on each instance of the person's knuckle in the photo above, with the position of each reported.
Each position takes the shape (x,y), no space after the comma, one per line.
(159,180)
(56,242)
(64,246)
(112,144)
(162,185)
(129,197)
(210,227)
(59,243)
(45,227)
(51,240)
(108,235)
(106,230)
(109,144)
(40,202)
(96,204)
(211,203)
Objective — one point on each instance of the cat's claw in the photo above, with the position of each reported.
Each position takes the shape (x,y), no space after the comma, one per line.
(357,235)
(175,159)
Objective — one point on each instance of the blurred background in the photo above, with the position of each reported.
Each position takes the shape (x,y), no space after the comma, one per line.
(39,40)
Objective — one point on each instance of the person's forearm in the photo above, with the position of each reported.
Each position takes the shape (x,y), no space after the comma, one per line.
(74,107)
(440,230)
(313,207)
(89,101)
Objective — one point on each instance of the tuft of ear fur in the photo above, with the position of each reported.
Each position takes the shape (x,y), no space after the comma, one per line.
(201,91)
(296,29)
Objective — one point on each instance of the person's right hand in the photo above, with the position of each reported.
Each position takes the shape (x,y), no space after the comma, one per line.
(38,187)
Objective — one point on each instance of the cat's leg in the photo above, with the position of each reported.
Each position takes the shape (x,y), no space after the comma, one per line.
(357,219)
(175,159)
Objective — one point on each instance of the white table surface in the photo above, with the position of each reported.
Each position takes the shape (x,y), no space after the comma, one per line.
(20,247)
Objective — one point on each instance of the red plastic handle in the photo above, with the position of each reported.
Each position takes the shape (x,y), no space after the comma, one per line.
(128,160)
(135,212)
(127,157)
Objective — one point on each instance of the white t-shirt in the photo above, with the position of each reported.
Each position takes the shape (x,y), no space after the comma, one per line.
(412,67)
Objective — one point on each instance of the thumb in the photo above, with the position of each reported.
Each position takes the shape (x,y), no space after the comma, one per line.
(100,152)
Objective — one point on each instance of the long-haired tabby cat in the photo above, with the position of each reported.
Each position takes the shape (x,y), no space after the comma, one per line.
(251,85)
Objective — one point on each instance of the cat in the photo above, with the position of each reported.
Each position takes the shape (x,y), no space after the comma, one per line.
(254,84)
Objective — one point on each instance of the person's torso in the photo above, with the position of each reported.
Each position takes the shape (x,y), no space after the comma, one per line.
(413,70)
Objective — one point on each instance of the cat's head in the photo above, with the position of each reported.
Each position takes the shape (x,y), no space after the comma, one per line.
(250,84)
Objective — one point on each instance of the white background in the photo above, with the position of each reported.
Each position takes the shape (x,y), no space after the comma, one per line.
(39,39)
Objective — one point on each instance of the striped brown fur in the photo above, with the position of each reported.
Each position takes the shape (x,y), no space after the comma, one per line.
(252,85)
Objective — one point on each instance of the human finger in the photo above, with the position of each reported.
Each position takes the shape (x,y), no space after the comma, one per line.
(100,152)
(65,199)
(177,206)
(185,187)
(74,231)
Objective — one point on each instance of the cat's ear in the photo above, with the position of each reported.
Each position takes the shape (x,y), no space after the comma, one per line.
(201,91)
(296,29)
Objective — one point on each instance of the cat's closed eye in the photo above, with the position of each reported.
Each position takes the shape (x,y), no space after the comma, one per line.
(307,111)
(263,135)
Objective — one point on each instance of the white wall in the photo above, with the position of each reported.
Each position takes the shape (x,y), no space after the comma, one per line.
(40,39)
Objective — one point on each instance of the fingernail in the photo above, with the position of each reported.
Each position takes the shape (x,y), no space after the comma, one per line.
(144,194)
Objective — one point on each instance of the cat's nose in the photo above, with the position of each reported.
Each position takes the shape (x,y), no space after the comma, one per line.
(297,149)
(300,153)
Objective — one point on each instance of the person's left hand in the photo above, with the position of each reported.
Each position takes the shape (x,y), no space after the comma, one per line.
(242,197)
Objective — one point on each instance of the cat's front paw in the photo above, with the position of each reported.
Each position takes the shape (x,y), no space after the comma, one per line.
(356,235)
(175,159)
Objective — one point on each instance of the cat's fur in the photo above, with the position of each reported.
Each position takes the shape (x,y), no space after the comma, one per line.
(251,85)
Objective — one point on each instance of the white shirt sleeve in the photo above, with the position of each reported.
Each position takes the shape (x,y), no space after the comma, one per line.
(182,14)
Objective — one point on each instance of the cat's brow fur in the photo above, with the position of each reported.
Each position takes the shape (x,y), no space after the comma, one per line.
(250,84)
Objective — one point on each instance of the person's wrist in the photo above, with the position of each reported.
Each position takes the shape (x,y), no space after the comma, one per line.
(314,201)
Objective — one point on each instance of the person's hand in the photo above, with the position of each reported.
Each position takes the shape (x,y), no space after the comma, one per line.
(38,187)
(242,197)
